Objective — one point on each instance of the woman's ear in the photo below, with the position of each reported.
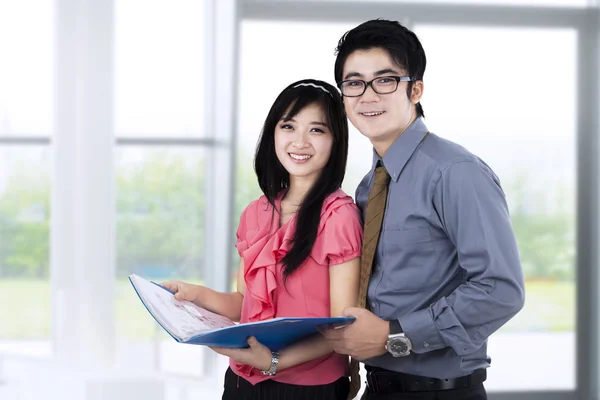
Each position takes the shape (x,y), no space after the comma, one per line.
(417,92)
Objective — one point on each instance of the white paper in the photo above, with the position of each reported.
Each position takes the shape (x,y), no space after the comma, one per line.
(182,318)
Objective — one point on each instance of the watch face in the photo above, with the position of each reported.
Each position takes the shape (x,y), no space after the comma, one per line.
(398,347)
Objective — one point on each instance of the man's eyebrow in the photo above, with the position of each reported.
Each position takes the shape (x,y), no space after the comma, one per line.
(377,73)
(353,75)
(385,71)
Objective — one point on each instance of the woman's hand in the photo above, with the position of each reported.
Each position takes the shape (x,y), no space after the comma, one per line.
(183,291)
(257,356)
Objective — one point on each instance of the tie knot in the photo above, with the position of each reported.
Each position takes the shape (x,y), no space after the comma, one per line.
(381,176)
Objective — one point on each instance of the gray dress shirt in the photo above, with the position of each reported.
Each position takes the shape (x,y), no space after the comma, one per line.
(447,264)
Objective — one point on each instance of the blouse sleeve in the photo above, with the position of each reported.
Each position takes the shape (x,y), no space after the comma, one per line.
(340,240)
(241,242)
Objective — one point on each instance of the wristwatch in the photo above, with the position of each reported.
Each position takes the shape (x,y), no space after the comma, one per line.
(398,345)
(274,363)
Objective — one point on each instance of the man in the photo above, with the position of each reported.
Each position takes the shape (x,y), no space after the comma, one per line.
(446,271)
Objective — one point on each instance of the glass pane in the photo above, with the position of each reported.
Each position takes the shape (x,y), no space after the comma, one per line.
(538,3)
(26,69)
(160,236)
(309,59)
(159,68)
(24,250)
(312,59)
(515,107)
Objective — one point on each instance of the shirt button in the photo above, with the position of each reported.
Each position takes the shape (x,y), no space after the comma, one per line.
(372,304)
(425,344)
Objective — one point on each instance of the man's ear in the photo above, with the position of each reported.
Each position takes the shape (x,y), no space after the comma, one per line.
(417,92)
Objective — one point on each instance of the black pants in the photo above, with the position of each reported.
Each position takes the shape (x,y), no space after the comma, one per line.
(241,389)
(472,393)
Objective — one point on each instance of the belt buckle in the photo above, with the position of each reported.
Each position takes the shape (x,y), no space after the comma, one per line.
(372,382)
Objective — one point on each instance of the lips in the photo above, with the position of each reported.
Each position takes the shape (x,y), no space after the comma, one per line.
(371,113)
(300,157)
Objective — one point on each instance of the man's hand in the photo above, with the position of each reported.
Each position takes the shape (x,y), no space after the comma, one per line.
(257,356)
(363,339)
(182,290)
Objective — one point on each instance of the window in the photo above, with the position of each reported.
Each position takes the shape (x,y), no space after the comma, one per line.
(159,68)
(302,58)
(508,96)
(26,76)
(25,113)
(24,249)
(159,83)
(518,3)
(159,224)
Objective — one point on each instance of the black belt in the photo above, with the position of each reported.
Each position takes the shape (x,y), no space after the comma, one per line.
(380,380)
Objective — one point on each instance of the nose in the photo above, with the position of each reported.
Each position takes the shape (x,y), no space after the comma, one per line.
(301,140)
(369,96)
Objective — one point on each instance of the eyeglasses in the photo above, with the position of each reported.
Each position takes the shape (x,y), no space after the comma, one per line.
(380,85)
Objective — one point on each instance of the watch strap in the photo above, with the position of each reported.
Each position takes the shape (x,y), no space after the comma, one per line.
(395,327)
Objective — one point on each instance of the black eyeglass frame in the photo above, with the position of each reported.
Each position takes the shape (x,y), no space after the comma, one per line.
(366,84)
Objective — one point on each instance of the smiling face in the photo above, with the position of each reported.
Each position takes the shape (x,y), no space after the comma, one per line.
(303,143)
(380,117)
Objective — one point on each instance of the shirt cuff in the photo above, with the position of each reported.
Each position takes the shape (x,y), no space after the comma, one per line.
(421,331)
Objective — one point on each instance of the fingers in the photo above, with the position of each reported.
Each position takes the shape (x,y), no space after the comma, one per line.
(325,327)
(332,333)
(171,285)
(351,312)
(255,344)
(180,295)
(179,289)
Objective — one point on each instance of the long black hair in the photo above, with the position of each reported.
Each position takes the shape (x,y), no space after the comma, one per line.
(273,177)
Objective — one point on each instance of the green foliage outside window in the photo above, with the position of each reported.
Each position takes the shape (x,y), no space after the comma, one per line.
(160,217)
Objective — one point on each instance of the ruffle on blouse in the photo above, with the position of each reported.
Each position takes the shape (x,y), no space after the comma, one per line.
(261,259)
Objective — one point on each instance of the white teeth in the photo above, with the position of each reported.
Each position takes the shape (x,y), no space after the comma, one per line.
(300,156)
(371,114)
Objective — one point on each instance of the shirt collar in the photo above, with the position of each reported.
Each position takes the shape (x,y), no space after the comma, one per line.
(401,149)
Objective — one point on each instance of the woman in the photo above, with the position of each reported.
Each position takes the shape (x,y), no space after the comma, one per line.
(299,245)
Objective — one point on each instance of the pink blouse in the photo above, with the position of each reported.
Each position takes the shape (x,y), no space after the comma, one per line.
(262,244)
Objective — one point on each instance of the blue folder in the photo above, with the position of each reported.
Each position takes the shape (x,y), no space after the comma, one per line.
(275,333)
